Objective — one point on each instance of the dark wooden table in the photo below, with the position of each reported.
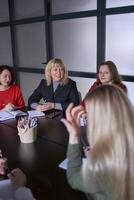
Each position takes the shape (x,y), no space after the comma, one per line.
(40,160)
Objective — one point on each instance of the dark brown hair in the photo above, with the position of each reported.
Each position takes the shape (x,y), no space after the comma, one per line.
(116,78)
(6,67)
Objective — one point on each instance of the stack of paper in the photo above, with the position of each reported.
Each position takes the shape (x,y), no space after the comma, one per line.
(5,115)
(35,113)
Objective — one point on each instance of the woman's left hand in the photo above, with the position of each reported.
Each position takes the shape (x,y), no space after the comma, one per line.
(72,122)
(45,107)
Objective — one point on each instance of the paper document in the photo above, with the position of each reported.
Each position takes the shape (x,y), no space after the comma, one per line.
(5,115)
(35,113)
(6,191)
(63,164)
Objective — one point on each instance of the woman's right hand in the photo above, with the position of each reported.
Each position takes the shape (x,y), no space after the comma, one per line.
(72,122)
(18,178)
(9,107)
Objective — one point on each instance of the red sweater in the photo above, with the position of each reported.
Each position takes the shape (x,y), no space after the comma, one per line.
(95,85)
(12,95)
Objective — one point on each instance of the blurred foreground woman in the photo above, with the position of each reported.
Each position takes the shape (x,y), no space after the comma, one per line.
(107,173)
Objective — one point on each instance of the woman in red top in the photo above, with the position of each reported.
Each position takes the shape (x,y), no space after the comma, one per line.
(10,94)
(107,74)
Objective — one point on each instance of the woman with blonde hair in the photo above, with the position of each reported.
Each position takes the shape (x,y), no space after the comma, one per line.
(107,172)
(57,90)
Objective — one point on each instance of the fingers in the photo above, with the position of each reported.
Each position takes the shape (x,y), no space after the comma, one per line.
(65,122)
(68,112)
(77,113)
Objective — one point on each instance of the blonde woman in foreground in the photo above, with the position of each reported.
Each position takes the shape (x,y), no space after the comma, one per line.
(108,172)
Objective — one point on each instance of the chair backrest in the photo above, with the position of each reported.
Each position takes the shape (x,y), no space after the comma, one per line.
(80,96)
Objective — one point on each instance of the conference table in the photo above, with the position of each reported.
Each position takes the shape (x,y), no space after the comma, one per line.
(40,160)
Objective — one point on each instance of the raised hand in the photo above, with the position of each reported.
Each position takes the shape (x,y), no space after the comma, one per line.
(72,122)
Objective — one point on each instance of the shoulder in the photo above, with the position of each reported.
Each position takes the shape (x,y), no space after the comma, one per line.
(96,84)
(71,82)
(43,82)
(123,86)
(14,86)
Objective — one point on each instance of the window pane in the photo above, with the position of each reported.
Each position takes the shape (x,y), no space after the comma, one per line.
(119,3)
(30,45)
(5,46)
(28,8)
(28,83)
(120,42)
(83,84)
(75,42)
(4,15)
(64,6)
(130,87)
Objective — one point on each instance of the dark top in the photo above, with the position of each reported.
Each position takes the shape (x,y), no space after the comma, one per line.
(63,94)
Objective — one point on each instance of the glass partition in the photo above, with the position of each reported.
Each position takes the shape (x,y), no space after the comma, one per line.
(64,6)
(120,41)
(31,45)
(5,46)
(75,41)
(119,3)
(28,8)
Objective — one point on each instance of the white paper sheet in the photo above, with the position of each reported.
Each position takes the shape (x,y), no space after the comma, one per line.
(5,115)
(63,164)
(35,113)
(6,191)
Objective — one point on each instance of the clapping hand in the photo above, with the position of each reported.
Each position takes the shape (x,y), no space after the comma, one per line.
(72,122)
(18,178)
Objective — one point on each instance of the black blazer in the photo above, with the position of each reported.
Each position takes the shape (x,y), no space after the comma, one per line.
(63,94)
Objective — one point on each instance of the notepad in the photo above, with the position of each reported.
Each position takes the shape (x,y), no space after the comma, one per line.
(5,115)
(35,113)
(63,164)
(6,191)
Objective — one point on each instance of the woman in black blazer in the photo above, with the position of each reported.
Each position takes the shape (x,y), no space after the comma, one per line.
(57,90)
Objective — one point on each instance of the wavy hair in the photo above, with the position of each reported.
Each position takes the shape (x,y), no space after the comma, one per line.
(116,78)
(110,132)
(50,65)
(6,67)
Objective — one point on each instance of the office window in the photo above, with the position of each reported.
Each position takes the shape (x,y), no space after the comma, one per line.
(30,45)
(4,15)
(28,83)
(119,3)
(74,40)
(65,6)
(130,87)
(120,41)
(5,46)
(83,84)
(28,8)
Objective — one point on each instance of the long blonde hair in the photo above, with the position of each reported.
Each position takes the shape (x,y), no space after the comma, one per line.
(48,68)
(110,133)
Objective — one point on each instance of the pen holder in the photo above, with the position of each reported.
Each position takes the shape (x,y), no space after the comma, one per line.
(27,135)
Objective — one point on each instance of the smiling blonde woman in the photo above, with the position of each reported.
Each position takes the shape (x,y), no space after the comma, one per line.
(57,90)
